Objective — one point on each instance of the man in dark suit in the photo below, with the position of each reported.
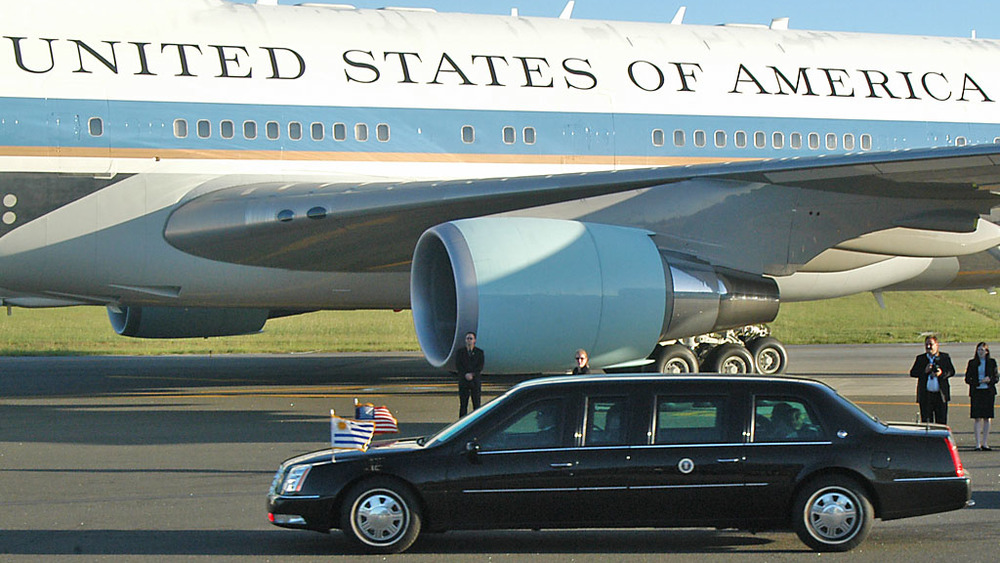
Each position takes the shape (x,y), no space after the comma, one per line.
(469,365)
(932,370)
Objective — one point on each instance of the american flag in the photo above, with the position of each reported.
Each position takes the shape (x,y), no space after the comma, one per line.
(385,423)
(350,434)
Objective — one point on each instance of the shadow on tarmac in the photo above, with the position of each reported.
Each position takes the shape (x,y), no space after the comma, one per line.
(282,543)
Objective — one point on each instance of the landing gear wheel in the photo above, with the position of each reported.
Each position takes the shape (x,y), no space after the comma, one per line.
(769,355)
(731,359)
(675,358)
(381,516)
(832,514)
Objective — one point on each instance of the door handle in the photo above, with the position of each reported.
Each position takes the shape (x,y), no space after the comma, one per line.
(729,460)
(561,465)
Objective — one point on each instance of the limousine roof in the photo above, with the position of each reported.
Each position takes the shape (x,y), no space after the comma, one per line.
(617,379)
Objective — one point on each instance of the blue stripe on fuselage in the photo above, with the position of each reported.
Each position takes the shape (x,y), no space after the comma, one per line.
(32,122)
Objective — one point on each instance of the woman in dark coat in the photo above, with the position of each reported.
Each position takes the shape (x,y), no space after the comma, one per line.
(981,375)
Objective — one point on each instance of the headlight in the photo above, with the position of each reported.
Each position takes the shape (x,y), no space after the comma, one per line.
(295,479)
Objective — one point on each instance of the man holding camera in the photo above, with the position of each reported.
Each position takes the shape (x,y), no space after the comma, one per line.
(932,370)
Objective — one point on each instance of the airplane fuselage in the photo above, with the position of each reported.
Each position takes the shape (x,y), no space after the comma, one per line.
(114,112)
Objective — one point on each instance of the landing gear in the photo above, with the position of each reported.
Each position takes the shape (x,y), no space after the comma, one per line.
(749,349)
(675,358)
(769,355)
(731,359)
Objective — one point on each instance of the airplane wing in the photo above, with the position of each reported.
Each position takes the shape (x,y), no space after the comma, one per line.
(785,211)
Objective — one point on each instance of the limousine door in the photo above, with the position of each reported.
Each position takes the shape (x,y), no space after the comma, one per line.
(517,474)
(691,471)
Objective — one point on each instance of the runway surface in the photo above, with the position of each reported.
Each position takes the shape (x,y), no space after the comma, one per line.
(169,458)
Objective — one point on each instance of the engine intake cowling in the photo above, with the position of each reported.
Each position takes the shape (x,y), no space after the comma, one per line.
(185,322)
(535,290)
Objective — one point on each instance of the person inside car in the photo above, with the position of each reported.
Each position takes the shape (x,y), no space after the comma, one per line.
(786,421)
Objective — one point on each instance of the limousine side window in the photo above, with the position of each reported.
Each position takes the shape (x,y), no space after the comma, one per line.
(605,421)
(780,419)
(538,425)
(690,420)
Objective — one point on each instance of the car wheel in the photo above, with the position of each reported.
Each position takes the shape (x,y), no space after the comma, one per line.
(832,514)
(769,355)
(675,358)
(380,515)
(732,359)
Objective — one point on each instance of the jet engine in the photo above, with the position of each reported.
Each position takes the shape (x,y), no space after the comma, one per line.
(534,290)
(185,322)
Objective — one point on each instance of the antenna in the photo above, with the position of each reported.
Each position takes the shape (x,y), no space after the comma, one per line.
(679,16)
(567,12)
(779,23)
(513,12)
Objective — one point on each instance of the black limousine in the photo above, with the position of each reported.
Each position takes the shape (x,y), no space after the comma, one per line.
(753,453)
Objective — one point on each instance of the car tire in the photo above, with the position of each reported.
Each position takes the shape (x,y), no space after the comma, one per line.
(675,358)
(731,359)
(769,355)
(380,515)
(832,514)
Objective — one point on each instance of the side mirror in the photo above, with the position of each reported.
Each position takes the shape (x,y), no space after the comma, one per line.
(472,451)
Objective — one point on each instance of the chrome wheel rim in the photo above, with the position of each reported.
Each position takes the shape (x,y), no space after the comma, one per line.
(833,515)
(380,517)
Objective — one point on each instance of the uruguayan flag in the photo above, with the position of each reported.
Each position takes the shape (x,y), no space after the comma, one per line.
(350,434)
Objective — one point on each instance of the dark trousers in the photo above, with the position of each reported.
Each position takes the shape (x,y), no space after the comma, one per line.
(466,390)
(933,408)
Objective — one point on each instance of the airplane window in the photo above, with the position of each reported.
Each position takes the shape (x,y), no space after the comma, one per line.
(960,141)
(740,138)
(996,139)
(226,129)
(720,139)
(848,142)
(271,129)
(294,130)
(678,138)
(339,132)
(286,215)
(180,128)
(814,141)
(509,135)
(831,141)
(382,132)
(866,142)
(316,131)
(204,128)
(699,138)
(795,140)
(529,135)
(249,129)
(361,132)
(657,137)
(96,126)
(778,140)
(759,139)
(468,134)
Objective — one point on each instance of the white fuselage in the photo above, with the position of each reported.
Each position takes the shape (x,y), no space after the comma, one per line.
(162,98)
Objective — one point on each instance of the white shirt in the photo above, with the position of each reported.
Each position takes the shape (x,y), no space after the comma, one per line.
(932,380)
